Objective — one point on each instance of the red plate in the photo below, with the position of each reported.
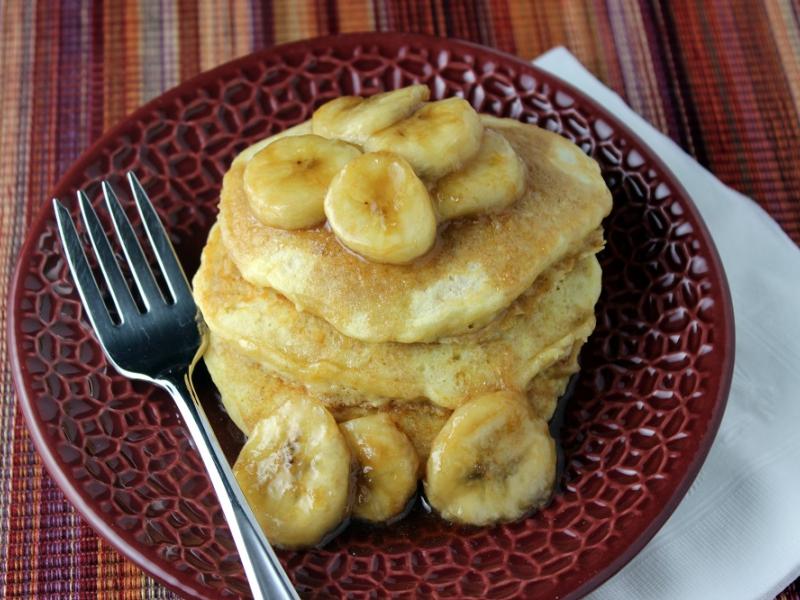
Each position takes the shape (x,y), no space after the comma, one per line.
(637,426)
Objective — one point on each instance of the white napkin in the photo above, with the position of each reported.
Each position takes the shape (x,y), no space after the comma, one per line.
(736,534)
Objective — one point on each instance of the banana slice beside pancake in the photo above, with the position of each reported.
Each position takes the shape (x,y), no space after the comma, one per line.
(493,461)
(388,465)
(296,471)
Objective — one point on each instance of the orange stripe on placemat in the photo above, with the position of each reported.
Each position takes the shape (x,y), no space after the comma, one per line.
(551,28)
(293,21)
(500,19)
(122,87)
(213,43)
(357,15)
(225,32)
(117,578)
(132,579)
(578,31)
(523,27)
(113,81)
(242,24)
(188,39)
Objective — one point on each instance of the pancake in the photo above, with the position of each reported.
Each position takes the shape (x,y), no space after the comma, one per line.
(478,267)
(535,332)
(251,391)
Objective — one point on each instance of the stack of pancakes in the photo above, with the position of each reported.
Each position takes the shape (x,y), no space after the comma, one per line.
(503,301)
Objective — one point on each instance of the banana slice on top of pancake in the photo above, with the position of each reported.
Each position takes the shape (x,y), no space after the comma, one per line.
(491,181)
(296,471)
(248,153)
(354,119)
(286,182)
(388,465)
(379,208)
(493,461)
(437,139)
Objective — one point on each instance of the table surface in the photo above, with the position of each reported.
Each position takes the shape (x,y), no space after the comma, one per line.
(721,78)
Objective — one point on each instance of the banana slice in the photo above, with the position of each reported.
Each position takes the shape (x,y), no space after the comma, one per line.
(354,119)
(491,181)
(245,155)
(493,461)
(296,472)
(286,182)
(379,208)
(387,477)
(437,139)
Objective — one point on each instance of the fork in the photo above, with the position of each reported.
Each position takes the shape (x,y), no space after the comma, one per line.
(161,344)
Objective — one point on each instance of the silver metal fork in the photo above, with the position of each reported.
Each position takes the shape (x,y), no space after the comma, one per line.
(161,344)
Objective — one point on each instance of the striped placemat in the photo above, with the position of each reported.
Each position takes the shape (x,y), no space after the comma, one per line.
(721,78)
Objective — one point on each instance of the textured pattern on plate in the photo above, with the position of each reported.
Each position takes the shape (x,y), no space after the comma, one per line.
(654,378)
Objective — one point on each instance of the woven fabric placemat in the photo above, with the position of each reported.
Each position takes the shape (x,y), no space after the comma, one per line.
(722,79)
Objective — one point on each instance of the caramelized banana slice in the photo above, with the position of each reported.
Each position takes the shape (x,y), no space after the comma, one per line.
(286,182)
(437,139)
(491,181)
(493,461)
(379,208)
(354,119)
(387,477)
(245,155)
(296,472)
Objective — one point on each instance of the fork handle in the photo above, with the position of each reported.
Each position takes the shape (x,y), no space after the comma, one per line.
(267,579)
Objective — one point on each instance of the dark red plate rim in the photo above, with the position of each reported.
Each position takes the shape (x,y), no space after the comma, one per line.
(724,337)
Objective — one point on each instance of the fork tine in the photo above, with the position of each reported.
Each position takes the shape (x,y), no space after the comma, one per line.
(117,285)
(165,253)
(151,295)
(81,272)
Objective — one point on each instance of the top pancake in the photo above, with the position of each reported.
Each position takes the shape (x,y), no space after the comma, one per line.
(478,267)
